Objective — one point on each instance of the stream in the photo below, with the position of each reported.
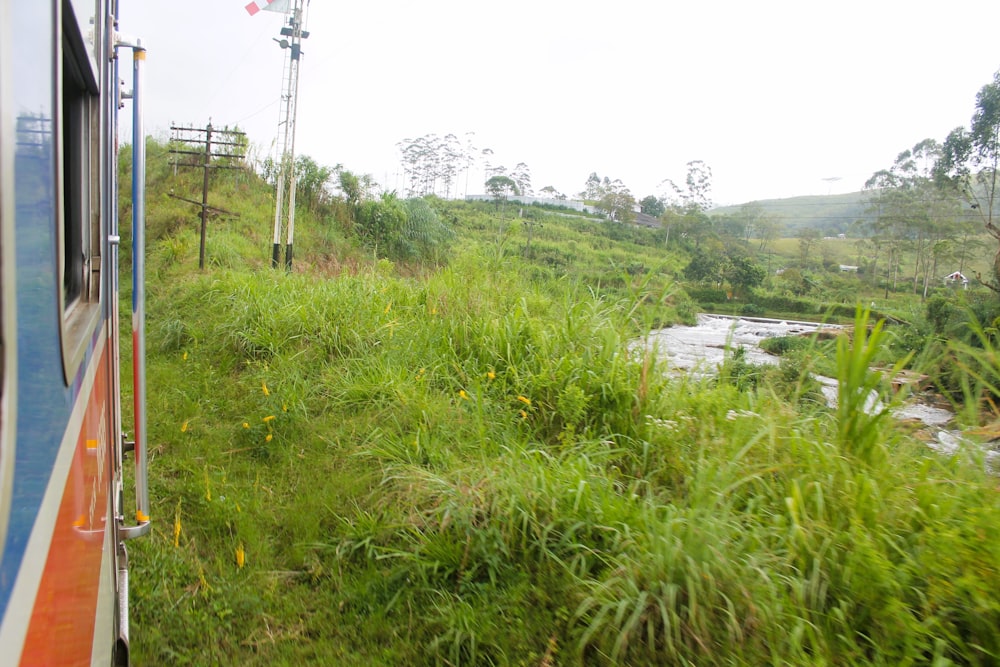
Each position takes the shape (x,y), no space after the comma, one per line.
(701,349)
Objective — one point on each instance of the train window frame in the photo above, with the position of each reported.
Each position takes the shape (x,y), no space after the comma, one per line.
(77,109)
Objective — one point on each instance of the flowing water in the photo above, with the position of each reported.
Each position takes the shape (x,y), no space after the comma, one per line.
(702,348)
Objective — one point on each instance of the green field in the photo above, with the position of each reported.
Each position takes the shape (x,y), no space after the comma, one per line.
(466,461)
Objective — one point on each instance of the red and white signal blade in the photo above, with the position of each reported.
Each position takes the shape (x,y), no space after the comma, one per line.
(280,6)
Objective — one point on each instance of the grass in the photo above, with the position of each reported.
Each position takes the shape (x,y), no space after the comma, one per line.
(474,465)
(479,474)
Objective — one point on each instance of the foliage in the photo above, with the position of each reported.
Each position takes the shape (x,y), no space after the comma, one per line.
(652,205)
(501,187)
(611,197)
(694,196)
(743,273)
(311,181)
(970,160)
(431,162)
(380,224)
(913,214)
(617,202)
(380,463)
(425,235)
(734,267)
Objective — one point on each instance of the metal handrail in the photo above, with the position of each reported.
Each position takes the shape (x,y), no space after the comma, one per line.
(142,525)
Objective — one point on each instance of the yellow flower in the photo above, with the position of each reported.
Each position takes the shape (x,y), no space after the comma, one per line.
(268,438)
(177,528)
(284,407)
(246,424)
(263,387)
(184,427)
(269,418)
(463,395)
(241,556)
(524,415)
(525,400)
(491,375)
(185,356)
(387,308)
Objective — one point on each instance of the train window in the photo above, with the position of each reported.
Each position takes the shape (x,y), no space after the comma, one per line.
(79,229)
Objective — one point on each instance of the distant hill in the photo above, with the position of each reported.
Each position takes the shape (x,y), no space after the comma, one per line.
(831,214)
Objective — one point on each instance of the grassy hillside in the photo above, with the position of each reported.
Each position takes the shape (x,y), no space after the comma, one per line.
(831,214)
(367,462)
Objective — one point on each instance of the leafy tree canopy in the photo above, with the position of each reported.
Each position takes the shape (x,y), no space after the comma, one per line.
(652,205)
(969,161)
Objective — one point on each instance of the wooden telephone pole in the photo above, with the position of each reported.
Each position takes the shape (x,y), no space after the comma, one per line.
(216,144)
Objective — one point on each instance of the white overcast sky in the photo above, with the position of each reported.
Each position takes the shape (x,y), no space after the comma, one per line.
(777,97)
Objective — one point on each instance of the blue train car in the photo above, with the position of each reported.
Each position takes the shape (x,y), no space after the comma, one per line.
(65,460)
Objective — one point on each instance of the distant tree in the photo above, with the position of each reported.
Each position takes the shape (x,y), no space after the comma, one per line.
(551,193)
(706,267)
(592,188)
(652,205)
(752,217)
(432,164)
(793,281)
(686,206)
(486,156)
(743,273)
(912,212)
(730,226)
(694,196)
(521,175)
(501,187)
(767,231)
(809,237)
(969,164)
(616,201)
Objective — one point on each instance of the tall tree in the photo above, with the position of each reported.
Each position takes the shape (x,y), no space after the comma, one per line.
(432,164)
(592,188)
(969,162)
(521,175)
(501,187)
(912,213)
(753,218)
(687,206)
(616,201)
(694,196)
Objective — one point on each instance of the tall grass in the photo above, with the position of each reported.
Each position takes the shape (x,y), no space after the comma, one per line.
(479,466)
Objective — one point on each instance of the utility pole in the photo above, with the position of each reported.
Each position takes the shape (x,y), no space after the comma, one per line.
(292,33)
(229,140)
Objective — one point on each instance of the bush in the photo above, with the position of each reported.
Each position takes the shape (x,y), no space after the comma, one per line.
(707,295)
(780,345)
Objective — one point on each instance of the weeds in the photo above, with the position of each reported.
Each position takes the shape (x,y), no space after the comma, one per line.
(475,467)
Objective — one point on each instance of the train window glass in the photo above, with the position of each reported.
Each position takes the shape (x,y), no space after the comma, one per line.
(79,255)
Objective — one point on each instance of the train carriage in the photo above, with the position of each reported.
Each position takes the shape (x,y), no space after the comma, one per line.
(64,456)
